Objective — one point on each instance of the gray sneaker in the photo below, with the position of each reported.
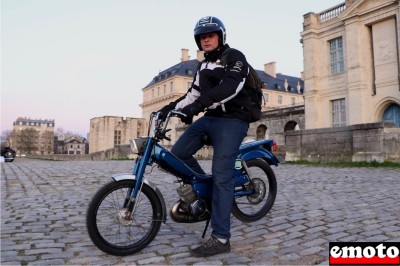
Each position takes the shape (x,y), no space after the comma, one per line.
(211,247)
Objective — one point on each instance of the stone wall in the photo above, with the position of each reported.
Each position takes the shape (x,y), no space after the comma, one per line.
(365,142)
(119,153)
(60,157)
(108,131)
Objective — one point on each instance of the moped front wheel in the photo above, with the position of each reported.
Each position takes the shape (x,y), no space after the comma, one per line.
(112,230)
(255,206)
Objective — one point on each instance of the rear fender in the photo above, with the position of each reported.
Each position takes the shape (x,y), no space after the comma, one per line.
(120,177)
(260,153)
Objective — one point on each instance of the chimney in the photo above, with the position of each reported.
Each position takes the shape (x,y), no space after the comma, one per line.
(200,55)
(270,69)
(185,54)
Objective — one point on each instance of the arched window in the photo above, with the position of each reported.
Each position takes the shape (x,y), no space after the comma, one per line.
(392,114)
(291,125)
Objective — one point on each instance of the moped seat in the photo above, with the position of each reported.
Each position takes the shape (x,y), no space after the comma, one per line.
(248,145)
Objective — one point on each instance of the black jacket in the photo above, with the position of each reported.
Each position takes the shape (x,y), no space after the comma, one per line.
(219,88)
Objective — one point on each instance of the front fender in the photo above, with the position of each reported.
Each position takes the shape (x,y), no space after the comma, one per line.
(126,176)
(260,153)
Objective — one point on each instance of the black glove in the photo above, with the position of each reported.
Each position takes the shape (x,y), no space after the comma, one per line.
(191,110)
(165,110)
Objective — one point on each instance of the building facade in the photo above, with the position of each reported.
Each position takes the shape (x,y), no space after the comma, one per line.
(351,64)
(279,90)
(352,96)
(71,145)
(33,136)
(167,86)
(109,132)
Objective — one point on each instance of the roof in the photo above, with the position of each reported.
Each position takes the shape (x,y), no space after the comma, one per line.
(188,68)
(70,139)
(36,120)
(33,122)
(278,83)
(185,68)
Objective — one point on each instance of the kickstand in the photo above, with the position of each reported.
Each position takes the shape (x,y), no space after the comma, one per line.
(205,229)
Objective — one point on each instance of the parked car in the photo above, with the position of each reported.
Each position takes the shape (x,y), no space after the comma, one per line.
(8,154)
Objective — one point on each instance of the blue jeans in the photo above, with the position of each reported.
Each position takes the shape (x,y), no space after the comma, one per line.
(226,135)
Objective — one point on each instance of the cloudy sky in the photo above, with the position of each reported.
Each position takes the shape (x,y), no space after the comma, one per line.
(73,60)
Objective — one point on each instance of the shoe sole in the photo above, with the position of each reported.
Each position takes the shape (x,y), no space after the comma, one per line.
(198,255)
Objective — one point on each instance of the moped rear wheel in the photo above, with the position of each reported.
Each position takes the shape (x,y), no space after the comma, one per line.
(110,229)
(255,206)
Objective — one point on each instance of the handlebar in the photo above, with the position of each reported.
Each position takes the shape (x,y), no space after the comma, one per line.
(160,125)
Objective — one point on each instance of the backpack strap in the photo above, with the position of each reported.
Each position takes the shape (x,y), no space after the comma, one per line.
(223,56)
(252,79)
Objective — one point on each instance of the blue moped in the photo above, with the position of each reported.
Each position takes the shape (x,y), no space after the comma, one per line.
(125,215)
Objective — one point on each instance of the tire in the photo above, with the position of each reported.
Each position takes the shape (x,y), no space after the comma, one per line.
(110,232)
(8,156)
(254,207)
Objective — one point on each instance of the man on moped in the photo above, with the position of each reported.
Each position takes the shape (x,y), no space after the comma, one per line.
(218,91)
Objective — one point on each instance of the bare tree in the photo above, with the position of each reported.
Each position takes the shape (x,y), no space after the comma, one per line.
(47,142)
(6,139)
(60,133)
(27,140)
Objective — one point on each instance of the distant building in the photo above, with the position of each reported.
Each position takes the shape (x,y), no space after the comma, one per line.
(40,137)
(71,145)
(351,64)
(109,132)
(280,90)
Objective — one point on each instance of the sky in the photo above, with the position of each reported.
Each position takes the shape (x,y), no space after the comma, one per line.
(73,60)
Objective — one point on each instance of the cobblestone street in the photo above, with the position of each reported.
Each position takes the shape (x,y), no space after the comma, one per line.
(43,206)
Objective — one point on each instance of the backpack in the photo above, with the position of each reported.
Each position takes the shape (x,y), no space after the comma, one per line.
(252,87)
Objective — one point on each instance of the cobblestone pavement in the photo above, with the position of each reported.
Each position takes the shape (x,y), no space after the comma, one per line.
(43,205)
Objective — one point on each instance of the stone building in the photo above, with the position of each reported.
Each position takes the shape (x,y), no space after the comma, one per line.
(351,64)
(71,145)
(351,76)
(167,86)
(279,90)
(109,132)
(346,105)
(38,141)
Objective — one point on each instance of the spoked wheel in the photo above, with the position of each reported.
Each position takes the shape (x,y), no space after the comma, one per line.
(255,206)
(112,228)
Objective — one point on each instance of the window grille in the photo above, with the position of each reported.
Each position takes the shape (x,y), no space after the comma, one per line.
(336,55)
(339,113)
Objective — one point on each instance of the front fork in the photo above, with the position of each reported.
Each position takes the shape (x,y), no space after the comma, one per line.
(130,201)
(133,193)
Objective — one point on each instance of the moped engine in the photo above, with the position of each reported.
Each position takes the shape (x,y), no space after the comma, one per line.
(189,209)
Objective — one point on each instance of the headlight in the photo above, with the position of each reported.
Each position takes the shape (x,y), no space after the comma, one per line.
(138,145)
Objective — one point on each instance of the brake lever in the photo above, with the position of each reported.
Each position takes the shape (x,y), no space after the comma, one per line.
(178,113)
(165,137)
(161,134)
